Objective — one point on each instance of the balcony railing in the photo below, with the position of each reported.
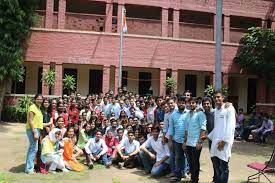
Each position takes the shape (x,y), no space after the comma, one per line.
(196,31)
(88,22)
(236,34)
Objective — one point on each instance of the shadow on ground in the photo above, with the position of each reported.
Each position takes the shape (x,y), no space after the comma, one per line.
(17,169)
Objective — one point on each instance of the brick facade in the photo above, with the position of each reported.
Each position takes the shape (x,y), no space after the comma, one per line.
(161,44)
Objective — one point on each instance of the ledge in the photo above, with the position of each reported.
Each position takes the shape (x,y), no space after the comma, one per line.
(132,35)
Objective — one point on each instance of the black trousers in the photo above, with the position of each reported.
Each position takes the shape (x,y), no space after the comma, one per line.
(194,163)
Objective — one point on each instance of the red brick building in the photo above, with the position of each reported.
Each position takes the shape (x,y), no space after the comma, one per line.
(165,38)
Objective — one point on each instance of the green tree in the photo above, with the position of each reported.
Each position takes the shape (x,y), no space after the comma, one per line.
(16,17)
(69,83)
(49,78)
(170,84)
(210,89)
(257,53)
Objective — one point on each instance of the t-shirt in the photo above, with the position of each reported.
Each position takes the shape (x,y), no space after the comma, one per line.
(37,118)
(93,147)
(129,147)
(161,149)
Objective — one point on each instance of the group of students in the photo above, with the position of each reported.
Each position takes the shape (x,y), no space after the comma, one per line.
(163,135)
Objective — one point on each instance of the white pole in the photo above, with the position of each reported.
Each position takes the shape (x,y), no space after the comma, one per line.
(121,48)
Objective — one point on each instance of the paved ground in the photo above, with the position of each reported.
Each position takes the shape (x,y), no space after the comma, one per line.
(14,144)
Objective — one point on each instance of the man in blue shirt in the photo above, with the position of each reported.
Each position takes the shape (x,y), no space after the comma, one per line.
(195,130)
(176,138)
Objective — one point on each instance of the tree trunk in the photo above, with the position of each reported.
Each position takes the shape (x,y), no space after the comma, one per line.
(3,88)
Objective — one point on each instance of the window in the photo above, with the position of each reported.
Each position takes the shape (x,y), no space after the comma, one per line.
(191,84)
(124,78)
(206,81)
(19,87)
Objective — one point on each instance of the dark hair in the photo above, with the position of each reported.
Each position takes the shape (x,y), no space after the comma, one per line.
(98,130)
(156,128)
(219,92)
(181,99)
(38,95)
(50,105)
(193,99)
(130,132)
(207,99)
(188,91)
(119,129)
(68,129)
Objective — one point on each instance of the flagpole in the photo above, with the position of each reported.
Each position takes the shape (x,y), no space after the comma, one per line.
(121,48)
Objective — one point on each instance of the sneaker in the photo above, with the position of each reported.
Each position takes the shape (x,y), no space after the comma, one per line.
(108,165)
(175,179)
(52,171)
(65,170)
(170,175)
(120,165)
(185,176)
(91,166)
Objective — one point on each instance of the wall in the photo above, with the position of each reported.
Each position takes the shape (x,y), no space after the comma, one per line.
(31,78)
(98,48)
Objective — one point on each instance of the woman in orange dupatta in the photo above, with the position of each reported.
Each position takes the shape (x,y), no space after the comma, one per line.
(68,154)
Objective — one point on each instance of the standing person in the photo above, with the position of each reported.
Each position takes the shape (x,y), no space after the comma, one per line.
(222,137)
(159,112)
(195,130)
(33,127)
(73,113)
(176,139)
(47,117)
(209,112)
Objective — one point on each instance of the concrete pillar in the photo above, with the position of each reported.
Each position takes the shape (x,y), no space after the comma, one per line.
(45,89)
(226,30)
(119,14)
(58,89)
(164,22)
(108,18)
(61,14)
(106,79)
(162,78)
(175,76)
(49,14)
(273,25)
(212,78)
(176,17)
(261,90)
(225,79)
(116,79)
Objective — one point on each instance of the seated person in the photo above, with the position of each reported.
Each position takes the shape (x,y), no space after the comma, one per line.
(266,128)
(252,125)
(239,123)
(120,135)
(68,154)
(83,136)
(60,125)
(96,150)
(128,151)
(155,160)
(112,144)
(114,126)
(50,153)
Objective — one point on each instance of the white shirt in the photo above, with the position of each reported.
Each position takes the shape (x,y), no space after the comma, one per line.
(93,147)
(150,114)
(161,149)
(224,128)
(129,147)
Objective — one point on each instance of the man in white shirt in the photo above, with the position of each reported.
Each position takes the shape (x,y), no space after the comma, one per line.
(128,151)
(222,137)
(96,149)
(155,160)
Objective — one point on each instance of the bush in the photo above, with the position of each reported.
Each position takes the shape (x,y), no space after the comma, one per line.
(17,113)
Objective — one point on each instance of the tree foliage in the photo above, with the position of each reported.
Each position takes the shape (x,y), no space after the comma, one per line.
(170,84)
(49,78)
(69,83)
(210,89)
(15,20)
(257,53)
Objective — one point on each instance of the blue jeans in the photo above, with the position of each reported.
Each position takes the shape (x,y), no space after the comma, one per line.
(180,159)
(221,169)
(33,147)
(159,170)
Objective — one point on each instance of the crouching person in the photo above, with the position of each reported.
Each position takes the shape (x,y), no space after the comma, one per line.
(51,156)
(112,144)
(69,155)
(128,151)
(154,154)
(96,150)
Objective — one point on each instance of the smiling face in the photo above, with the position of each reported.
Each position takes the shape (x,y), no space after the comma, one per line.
(219,98)
(207,106)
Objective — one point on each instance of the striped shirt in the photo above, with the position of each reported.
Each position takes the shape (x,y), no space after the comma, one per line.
(177,127)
